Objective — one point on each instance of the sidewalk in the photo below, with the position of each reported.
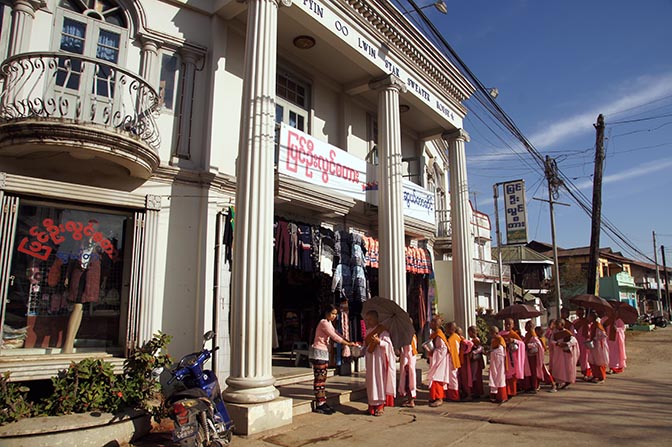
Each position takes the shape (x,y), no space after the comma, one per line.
(632,408)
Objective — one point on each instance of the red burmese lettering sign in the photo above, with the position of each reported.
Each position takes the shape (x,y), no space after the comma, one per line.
(311,160)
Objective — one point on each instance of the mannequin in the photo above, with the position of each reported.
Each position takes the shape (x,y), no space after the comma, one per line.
(83,282)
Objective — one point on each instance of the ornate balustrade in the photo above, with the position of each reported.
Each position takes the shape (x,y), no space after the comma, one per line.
(80,90)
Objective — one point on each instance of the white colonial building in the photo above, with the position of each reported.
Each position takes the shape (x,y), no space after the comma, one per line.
(130,131)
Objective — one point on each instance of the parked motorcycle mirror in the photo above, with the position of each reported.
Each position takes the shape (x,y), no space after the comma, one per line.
(156,372)
(209,335)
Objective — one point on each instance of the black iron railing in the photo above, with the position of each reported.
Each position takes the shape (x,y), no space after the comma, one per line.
(81,89)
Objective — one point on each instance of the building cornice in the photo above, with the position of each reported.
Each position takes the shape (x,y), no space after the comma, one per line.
(413,47)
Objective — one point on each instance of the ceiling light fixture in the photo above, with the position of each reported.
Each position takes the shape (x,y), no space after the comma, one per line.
(304,42)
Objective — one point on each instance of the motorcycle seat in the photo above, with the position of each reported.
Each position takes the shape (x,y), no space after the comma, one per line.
(191,393)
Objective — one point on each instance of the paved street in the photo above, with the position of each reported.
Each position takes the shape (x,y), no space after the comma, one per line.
(633,408)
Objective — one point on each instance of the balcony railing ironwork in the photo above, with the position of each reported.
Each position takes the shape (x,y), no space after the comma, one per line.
(443,228)
(84,90)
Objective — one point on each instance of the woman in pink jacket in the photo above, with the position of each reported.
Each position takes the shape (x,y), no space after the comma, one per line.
(319,357)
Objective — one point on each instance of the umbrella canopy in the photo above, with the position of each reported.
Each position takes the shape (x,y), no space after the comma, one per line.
(518,311)
(594,302)
(624,311)
(395,319)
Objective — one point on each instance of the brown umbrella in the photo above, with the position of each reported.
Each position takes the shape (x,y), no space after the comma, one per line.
(624,311)
(594,302)
(518,311)
(395,319)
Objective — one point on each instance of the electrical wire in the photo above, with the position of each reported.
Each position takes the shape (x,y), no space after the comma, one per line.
(482,97)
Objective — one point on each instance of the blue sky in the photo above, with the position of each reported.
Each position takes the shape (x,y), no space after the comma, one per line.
(557,65)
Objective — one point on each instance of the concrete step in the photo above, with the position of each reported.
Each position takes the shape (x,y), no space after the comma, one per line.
(340,390)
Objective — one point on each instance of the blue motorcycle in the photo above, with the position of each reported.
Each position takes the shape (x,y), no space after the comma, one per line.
(198,412)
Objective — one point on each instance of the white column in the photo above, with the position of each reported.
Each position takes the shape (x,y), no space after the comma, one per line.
(149,310)
(460,220)
(188,76)
(149,59)
(23,14)
(251,379)
(392,273)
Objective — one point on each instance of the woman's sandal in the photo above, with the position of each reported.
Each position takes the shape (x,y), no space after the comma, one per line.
(408,404)
(378,413)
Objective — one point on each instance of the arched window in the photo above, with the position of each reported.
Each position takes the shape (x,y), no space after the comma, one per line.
(95,29)
(104,10)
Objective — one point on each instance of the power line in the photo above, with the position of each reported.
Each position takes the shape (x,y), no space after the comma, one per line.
(482,97)
(616,123)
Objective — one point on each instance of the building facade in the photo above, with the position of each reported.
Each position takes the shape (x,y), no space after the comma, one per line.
(150,150)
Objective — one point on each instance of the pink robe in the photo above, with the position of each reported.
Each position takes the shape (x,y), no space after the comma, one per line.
(563,362)
(599,354)
(497,377)
(617,356)
(406,358)
(516,359)
(583,350)
(381,371)
(441,367)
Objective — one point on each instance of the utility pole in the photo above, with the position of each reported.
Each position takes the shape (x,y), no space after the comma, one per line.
(597,207)
(495,189)
(667,279)
(551,170)
(655,259)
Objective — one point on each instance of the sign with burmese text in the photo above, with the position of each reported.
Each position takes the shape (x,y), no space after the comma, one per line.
(308,159)
(416,201)
(516,212)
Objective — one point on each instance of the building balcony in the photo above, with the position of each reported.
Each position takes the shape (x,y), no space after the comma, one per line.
(84,107)
(444,231)
(488,271)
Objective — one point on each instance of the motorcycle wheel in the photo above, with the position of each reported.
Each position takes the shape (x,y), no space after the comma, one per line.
(223,441)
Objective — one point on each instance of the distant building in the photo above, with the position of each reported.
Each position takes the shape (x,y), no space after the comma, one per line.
(619,278)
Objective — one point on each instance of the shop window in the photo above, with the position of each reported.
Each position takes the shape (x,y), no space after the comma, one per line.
(62,256)
(167,81)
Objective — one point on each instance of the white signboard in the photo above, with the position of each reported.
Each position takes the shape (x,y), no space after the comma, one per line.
(516,212)
(417,202)
(308,159)
(379,54)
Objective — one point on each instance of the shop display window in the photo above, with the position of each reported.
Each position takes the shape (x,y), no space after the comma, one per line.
(63,256)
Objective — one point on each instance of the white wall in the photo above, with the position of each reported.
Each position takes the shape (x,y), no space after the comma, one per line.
(443,273)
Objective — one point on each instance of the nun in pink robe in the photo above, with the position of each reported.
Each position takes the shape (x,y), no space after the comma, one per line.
(407,375)
(616,343)
(381,371)
(565,356)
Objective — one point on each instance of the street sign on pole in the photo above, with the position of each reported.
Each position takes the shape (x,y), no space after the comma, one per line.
(516,212)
